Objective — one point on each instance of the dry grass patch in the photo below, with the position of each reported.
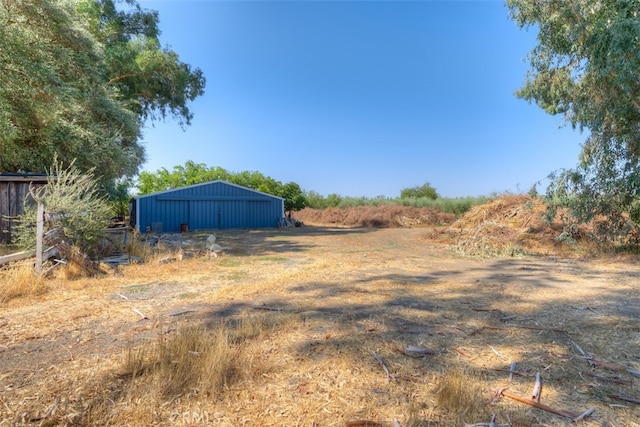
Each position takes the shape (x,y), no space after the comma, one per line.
(460,392)
(185,368)
(20,281)
(192,360)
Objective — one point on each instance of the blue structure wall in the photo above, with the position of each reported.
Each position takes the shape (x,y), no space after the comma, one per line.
(213,205)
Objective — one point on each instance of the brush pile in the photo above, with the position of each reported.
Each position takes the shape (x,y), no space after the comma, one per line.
(386,216)
(508,226)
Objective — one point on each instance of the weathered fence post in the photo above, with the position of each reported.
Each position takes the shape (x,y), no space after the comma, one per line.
(39,237)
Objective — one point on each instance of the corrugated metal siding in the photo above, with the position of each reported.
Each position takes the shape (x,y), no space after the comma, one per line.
(209,206)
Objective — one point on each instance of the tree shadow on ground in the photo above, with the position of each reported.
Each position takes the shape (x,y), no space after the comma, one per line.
(282,240)
(481,315)
(473,316)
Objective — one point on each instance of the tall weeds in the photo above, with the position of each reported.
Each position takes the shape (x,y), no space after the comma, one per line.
(460,393)
(20,281)
(456,206)
(202,361)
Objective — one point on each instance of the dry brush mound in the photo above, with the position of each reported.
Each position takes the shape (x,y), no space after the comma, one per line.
(512,225)
(508,225)
(388,216)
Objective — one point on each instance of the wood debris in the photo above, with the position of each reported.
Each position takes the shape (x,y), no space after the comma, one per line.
(121,259)
(561,412)
(180,313)
(535,328)
(625,399)
(609,365)
(498,353)
(141,314)
(537,388)
(584,415)
(415,351)
(384,366)
(57,239)
(615,366)
(512,370)
(609,379)
(264,307)
(491,423)
(362,423)
(584,354)
(18,256)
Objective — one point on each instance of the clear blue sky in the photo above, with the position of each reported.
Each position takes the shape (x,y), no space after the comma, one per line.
(361,98)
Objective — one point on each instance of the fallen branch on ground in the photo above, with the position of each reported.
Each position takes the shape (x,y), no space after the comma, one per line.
(626,399)
(141,314)
(609,365)
(538,328)
(561,412)
(584,415)
(362,423)
(512,370)
(498,353)
(264,307)
(584,354)
(492,423)
(179,313)
(414,351)
(522,373)
(381,362)
(457,350)
(615,366)
(615,380)
(537,388)
(534,328)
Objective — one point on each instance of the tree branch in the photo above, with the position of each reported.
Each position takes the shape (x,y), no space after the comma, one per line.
(122,77)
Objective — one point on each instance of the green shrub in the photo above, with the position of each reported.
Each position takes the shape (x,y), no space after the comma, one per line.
(76,204)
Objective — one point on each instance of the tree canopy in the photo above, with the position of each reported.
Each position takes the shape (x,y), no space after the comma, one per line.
(79,80)
(585,67)
(425,190)
(294,198)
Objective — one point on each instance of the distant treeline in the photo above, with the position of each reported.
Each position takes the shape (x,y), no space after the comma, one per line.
(423,196)
(456,206)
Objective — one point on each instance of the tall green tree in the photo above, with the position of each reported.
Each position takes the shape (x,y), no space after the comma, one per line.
(294,198)
(585,67)
(79,78)
(196,173)
(180,176)
(53,99)
(423,191)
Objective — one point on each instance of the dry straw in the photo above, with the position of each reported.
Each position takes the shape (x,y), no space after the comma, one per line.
(20,281)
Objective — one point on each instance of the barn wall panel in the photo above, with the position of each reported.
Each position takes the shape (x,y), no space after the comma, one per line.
(215,205)
(13,192)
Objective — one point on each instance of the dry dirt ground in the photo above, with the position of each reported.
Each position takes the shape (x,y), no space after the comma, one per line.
(353,294)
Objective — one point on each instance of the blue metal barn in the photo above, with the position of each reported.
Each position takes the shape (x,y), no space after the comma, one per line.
(211,205)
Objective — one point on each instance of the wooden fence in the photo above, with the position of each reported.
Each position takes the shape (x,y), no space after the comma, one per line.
(14,189)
